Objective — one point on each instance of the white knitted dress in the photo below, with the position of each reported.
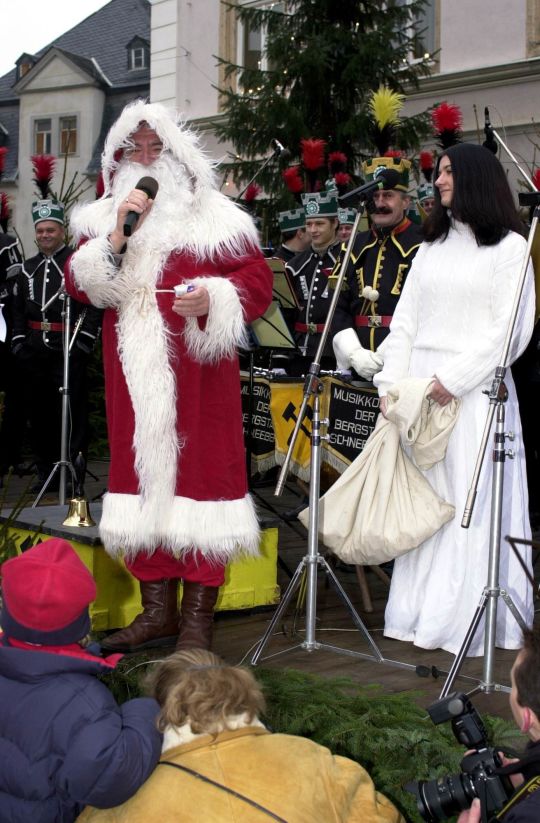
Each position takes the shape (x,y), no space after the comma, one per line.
(451,322)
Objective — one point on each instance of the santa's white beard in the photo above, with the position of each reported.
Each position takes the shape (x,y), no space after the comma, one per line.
(173,203)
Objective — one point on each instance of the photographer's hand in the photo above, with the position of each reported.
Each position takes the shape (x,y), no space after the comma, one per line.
(515,779)
(472,815)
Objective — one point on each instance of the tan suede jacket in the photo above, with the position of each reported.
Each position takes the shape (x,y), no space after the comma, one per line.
(292,777)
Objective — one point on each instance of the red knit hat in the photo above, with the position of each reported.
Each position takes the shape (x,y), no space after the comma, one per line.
(46,592)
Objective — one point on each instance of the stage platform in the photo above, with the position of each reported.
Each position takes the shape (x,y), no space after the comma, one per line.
(237,630)
(248,583)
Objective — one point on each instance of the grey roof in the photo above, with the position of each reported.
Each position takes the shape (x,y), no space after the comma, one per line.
(103,36)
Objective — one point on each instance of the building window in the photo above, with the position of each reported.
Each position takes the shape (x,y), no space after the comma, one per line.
(58,135)
(138,51)
(253,41)
(138,58)
(43,136)
(252,51)
(68,135)
(421,30)
(424,28)
(24,64)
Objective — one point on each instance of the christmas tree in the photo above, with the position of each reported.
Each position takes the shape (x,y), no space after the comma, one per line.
(320,62)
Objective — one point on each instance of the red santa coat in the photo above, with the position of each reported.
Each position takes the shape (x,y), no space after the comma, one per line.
(177,475)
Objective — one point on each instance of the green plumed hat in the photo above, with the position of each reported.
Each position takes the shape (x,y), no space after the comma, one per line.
(372,168)
(320,204)
(346,216)
(292,220)
(47,210)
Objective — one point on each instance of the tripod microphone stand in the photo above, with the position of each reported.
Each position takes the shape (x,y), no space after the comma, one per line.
(498,396)
(313,560)
(67,342)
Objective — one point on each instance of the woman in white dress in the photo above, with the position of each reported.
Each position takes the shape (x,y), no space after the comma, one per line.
(450,323)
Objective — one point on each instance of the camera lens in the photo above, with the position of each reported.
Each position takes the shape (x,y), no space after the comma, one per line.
(445,797)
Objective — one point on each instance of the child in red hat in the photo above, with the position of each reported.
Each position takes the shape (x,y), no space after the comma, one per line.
(64,741)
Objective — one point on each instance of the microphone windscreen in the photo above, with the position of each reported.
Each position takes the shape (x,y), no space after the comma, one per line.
(149,186)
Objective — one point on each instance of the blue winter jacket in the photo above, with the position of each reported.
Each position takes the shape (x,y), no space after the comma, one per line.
(64,741)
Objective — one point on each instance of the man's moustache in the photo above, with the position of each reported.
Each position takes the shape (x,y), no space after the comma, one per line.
(383,210)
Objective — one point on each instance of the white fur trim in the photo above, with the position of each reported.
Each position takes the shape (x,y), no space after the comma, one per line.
(190,214)
(174,736)
(221,530)
(180,141)
(225,328)
(96,273)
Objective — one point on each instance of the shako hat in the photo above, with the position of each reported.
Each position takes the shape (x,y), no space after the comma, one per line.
(424,190)
(320,203)
(292,220)
(373,167)
(47,210)
(346,216)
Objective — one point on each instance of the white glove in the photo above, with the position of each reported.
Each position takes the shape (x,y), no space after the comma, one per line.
(349,352)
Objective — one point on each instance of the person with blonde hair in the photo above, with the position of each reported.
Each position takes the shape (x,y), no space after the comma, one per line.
(220,763)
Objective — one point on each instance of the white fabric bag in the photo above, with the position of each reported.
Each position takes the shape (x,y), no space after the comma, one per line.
(382,505)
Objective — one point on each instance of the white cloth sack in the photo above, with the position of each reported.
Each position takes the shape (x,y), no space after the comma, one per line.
(382,505)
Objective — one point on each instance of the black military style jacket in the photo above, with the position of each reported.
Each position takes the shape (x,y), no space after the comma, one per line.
(285,254)
(380,260)
(310,272)
(40,330)
(10,263)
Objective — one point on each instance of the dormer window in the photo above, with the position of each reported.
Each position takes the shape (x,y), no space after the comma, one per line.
(24,64)
(138,54)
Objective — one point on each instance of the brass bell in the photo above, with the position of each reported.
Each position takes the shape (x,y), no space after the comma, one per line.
(79,513)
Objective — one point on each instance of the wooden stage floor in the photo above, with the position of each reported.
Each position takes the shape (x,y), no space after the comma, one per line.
(236,633)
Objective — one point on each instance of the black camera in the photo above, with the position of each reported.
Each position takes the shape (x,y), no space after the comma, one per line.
(445,797)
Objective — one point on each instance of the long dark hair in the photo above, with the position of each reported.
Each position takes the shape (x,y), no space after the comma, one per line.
(481,198)
(527,673)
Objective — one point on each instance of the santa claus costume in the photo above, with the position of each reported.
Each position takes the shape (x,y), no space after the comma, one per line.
(177,504)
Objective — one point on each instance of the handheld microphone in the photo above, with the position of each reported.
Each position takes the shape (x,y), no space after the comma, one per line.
(150,187)
(386,179)
(279,149)
(489,142)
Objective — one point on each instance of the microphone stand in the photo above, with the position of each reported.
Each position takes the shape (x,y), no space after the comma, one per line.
(64,462)
(492,133)
(498,396)
(310,563)
(275,154)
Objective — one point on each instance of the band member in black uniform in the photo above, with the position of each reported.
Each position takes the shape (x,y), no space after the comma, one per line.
(294,237)
(379,263)
(309,271)
(12,428)
(37,343)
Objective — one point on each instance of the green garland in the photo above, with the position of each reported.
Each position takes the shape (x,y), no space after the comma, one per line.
(389,734)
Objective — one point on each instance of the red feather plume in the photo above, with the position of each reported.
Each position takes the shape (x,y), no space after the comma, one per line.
(313,154)
(252,192)
(393,153)
(44,168)
(293,181)
(427,164)
(447,117)
(447,122)
(4,210)
(342,181)
(426,161)
(337,161)
(536,179)
(3,152)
